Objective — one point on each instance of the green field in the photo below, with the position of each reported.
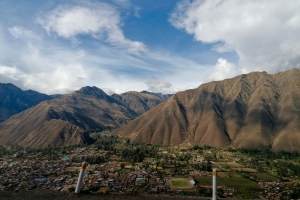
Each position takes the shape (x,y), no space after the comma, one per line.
(238,182)
(222,165)
(263,176)
(180,184)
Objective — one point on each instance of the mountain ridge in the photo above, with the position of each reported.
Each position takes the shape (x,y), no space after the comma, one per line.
(251,111)
(14,100)
(65,120)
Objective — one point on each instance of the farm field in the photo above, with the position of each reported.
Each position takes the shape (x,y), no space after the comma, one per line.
(249,170)
(263,176)
(234,165)
(241,175)
(238,182)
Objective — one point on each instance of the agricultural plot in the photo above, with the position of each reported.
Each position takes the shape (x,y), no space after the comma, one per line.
(222,165)
(237,182)
(249,170)
(234,165)
(263,177)
(228,174)
(204,180)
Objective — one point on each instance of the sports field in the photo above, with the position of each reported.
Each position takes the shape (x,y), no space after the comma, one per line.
(180,183)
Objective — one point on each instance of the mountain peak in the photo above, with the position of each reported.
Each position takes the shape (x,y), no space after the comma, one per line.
(14,100)
(9,86)
(252,111)
(92,91)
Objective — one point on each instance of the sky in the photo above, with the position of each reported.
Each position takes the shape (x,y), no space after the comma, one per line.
(59,46)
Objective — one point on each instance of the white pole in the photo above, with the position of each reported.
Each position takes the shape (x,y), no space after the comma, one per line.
(214,184)
(81,174)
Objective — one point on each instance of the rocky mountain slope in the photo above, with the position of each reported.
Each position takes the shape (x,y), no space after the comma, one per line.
(141,102)
(65,120)
(13,100)
(252,111)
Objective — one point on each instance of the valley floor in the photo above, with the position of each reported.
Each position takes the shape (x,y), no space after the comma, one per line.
(120,170)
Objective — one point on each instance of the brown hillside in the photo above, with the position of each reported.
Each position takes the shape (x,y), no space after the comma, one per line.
(253,111)
(63,121)
(140,102)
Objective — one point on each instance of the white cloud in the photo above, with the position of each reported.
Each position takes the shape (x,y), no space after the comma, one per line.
(22,33)
(49,64)
(223,69)
(221,48)
(11,75)
(160,85)
(264,34)
(108,91)
(101,20)
(10,72)
(52,77)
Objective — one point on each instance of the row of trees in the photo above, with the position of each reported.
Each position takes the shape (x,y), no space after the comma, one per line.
(137,153)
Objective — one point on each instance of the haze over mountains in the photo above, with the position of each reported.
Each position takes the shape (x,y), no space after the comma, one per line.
(252,111)
(65,120)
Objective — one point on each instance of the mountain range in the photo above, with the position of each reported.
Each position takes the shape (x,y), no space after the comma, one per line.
(14,100)
(252,111)
(66,120)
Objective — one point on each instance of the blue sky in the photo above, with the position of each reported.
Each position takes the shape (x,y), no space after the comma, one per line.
(58,46)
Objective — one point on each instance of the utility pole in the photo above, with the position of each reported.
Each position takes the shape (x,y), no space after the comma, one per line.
(214,184)
(81,174)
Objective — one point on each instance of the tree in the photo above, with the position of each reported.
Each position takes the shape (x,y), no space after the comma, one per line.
(122,166)
(127,141)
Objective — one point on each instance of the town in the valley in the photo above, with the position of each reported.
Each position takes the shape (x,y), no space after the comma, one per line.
(117,166)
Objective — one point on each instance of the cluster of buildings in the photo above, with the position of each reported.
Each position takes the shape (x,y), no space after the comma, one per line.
(112,181)
(274,189)
(111,177)
(16,175)
(62,175)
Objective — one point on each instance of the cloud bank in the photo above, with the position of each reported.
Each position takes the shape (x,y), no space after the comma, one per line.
(264,34)
(101,20)
(57,47)
(160,86)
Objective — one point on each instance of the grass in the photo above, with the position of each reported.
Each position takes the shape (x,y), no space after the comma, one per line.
(237,182)
(234,164)
(222,164)
(263,176)
(180,184)
(179,176)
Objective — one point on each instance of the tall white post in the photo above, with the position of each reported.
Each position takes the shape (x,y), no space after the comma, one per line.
(81,174)
(214,184)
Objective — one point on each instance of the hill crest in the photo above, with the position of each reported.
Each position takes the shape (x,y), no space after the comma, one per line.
(253,111)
